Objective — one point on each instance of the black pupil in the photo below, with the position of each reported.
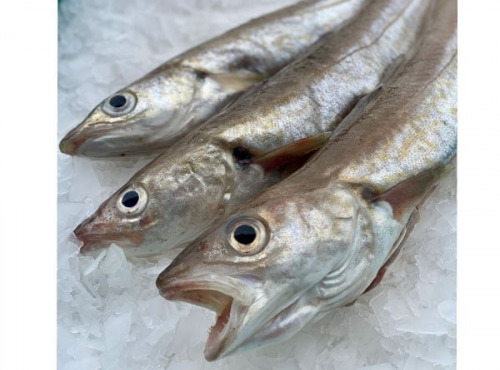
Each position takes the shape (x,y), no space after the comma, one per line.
(130,198)
(245,234)
(118,101)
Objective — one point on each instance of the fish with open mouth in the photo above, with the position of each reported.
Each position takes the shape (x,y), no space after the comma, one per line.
(325,235)
(154,111)
(238,153)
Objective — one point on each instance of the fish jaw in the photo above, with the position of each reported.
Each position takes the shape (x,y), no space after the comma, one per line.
(227,311)
(77,141)
(228,298)
(70,143)
(97,235)
(103,143)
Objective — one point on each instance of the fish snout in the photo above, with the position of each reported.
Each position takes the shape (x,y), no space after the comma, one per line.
(85,233)
(181,274)
(168,279)
(77,140)
(96,235)
(67,147)
(71,143)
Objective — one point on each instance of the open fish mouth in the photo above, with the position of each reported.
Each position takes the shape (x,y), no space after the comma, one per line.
(218,299)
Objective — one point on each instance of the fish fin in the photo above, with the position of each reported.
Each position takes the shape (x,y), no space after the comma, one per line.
(363,105)
(406,195)
(291,152)
(237,82)
(290,168)
(396,248)
(393,253)
(368,100)
(392,70)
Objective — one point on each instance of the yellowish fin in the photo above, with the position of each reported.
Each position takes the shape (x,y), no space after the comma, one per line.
(292,152)
(236,82)
(405,196)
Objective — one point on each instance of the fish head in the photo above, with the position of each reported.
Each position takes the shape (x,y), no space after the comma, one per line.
(140,118)
(256,268)
(170,201)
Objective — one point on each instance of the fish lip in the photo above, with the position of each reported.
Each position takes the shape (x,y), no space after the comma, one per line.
(220,298)
(70,144)
(73,141)
(96,241)
(93,241)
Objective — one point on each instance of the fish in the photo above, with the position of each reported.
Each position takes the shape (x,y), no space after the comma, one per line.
(162,106)
(241,151)
(324,236)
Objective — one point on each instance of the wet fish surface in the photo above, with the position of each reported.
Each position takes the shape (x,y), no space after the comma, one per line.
(213,170)
(323,236)
(156,110)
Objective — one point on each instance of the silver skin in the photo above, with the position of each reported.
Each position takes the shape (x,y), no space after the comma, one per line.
(205,175)
(323,234)
(188,89)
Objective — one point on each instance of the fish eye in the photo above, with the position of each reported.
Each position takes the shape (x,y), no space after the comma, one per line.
(132,201)
(119,104)
(247,235)
(130,198)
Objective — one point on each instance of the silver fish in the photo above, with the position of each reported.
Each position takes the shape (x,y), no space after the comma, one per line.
(168,102)
(319,239)
(231,158)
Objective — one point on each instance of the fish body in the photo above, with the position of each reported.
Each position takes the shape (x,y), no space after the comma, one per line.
(154,111)
(319,239)
(216,168)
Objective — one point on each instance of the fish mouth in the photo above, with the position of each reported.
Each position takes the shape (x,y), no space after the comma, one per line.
(96,242)
(75,140)
(93,241)
(219,299)
(70,144)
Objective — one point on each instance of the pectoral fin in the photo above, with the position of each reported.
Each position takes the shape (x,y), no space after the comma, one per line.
(391,257)
(291,152)
(405,196)
(396,248)
(237,82)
